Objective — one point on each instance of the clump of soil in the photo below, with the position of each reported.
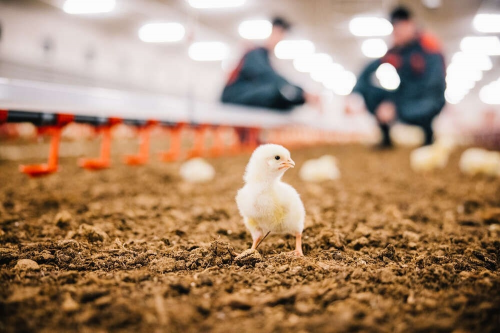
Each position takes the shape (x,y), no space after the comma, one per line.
(138,250)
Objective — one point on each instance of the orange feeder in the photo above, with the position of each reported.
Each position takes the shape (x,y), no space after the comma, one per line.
(174,152)
(218,146)
(235,147)
(252,141)
(3,116)
(144,135)
(199,142)
(104,160)
(37,170)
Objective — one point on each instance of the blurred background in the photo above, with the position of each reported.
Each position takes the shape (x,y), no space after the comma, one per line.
(186,48)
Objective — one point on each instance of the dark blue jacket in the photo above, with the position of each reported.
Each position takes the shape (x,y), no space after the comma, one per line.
(421,69)
(255,83)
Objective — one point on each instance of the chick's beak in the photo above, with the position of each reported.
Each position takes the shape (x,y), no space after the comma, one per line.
(287,164)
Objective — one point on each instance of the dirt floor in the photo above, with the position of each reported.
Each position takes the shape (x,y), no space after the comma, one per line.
(134,249)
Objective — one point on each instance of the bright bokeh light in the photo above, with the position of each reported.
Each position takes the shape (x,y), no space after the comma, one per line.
(161,32)
(89,6)
(388,76)
(489,45)
(370,26)
(374,48)
(255,29)
(488,23)
(490,94)
(204,4)
(432,4)
(329,70)
(208,51)
(291,49)
(472,60)
(460,73)
(461,85)
(342,83)
(312,62)
(453,97)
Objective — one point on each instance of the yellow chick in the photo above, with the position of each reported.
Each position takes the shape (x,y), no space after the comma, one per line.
(321,169)
(476,161)
(265,202)
(431,157)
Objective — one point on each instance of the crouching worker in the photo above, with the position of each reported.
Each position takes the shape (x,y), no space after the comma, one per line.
(419,98)
(255,83)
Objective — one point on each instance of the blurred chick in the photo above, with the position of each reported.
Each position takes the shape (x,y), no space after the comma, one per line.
(476,161)
(407,135)
(321,169)
(265,202)
(431,157)
(197,170)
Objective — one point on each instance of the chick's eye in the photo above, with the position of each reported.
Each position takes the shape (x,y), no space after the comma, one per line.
(276,157)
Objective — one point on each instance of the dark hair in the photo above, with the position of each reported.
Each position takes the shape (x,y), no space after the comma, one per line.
(281,22)
(400,13)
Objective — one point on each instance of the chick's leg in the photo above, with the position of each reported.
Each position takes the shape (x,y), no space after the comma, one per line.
(298,245)
(257,236)
(256,242)
(256,232)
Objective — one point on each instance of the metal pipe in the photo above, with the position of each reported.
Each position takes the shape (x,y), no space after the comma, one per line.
(37,118)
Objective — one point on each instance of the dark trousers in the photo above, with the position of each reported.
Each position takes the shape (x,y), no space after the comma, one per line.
(417,112)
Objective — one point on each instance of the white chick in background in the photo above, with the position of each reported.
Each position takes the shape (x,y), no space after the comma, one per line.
(321,169)
(265,202)
(197,170)
(406,135)
(476,161)
(431,157)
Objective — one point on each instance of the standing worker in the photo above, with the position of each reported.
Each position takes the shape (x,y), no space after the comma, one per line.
(254,82)
(420,65)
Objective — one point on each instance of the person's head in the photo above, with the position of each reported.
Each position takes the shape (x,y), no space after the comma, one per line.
(404,27)
(280,27)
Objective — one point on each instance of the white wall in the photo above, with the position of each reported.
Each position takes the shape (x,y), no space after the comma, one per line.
(118,62)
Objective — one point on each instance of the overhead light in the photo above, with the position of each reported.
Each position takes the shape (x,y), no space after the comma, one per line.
(432,4)
(341,84)
(204,4)
(458,72)
(453,97)
(474,60)
(255,29)
(489,93)
(489,23)
(88,6)
(208,51)
(323,74)
(374,48)
(291,49)
(370,26)
(311,62)
(460,85)
(388,76)
(161,32)
(489,45)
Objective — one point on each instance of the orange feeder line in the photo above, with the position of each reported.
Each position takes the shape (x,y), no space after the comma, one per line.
(218,146)
(174,152)
(37,170)
(235,146)
(104,160)
(3,116)
(199,142)
(252,140)
(142,157)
